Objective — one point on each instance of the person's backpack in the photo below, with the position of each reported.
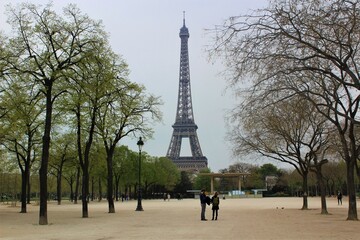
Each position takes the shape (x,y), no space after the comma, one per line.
(215,201)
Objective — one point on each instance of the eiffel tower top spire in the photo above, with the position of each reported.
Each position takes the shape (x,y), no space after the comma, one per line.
(184,31)
(184,18)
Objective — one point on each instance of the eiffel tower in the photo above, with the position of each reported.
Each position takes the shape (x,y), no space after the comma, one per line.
(184,126)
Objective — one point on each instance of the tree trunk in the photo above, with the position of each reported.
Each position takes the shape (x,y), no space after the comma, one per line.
(85,192)
(352,212)
(43,184)
(77,184)
(28,191)
(23,190)
(43,172)
(71,189)
(100,190)
(110,198)
(321,184)
(305,192)
(85,161)
(92,188)
(117,187)
(58,187)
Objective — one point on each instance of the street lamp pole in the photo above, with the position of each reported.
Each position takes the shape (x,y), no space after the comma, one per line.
(139,207)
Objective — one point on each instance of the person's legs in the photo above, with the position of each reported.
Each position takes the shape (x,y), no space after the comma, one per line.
(216,214)
(203,206)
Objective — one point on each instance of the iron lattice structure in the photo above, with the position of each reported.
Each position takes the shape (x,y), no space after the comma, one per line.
(185,126)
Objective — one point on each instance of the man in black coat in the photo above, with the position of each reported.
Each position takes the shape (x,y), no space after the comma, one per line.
(203,202)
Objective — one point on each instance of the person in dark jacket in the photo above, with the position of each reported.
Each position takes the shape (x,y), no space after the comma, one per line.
(215,200)
(203,204)
(339,198)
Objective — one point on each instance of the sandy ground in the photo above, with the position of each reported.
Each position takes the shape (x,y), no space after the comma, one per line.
(264,218)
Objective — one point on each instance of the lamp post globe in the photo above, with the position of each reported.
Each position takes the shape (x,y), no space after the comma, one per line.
(139,207)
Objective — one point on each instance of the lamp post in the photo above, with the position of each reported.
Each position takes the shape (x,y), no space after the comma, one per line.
(139,207)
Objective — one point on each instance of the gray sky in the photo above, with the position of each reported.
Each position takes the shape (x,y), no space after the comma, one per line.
(146,34)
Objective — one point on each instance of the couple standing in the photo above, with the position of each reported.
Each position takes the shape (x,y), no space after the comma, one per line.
(206,200)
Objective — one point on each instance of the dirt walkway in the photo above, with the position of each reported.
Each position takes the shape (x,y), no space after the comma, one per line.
(265,218)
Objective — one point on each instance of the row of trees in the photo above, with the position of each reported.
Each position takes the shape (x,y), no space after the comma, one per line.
(62,90)
(285,182)
(159,175)
(300,60)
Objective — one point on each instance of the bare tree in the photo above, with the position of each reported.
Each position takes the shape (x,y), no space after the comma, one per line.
(288,131)
(309,48)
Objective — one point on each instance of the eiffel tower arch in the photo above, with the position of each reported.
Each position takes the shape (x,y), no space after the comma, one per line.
(184,126)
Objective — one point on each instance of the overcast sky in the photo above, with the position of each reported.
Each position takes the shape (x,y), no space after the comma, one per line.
(146,34)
